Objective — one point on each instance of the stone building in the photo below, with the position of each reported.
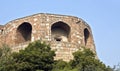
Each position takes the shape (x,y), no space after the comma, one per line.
(65,34)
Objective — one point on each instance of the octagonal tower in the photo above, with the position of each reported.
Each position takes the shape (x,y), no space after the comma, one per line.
(65,34)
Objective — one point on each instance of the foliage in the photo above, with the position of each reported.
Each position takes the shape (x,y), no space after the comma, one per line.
(4,51)
(36,57)
(85,61)
(61,65)
(5,58)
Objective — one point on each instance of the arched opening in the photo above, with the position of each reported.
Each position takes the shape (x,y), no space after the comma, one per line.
(86,36)
(60,31)
(24,32)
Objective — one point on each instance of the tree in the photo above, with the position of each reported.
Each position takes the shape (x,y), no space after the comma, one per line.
(85,61)
(37,56)
(5,58)
(60,65)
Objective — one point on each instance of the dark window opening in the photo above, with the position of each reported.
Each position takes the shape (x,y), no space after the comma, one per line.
(86,35)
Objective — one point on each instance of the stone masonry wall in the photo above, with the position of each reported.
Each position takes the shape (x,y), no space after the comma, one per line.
(66,34)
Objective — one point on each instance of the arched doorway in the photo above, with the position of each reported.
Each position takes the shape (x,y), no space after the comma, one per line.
(60,31)
(24,32)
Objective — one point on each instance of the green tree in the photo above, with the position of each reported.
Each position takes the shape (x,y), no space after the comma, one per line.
(5,56)
(60,65)
(36,57)
(84,60)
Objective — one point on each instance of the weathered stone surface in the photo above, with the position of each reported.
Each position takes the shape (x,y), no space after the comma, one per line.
(65,34)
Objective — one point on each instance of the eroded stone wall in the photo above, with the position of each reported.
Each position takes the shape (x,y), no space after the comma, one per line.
(66,34)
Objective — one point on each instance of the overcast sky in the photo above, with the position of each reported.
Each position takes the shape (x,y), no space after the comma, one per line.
(102,15)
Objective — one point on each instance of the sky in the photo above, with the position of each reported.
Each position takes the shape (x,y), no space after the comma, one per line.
(102,15)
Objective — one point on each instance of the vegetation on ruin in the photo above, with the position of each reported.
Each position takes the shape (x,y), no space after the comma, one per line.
(38,56)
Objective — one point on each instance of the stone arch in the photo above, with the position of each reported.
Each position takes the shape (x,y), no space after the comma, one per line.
(60,31)
(87,37)
(24,32)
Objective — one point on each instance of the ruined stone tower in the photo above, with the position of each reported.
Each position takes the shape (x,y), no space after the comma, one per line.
(65,34)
